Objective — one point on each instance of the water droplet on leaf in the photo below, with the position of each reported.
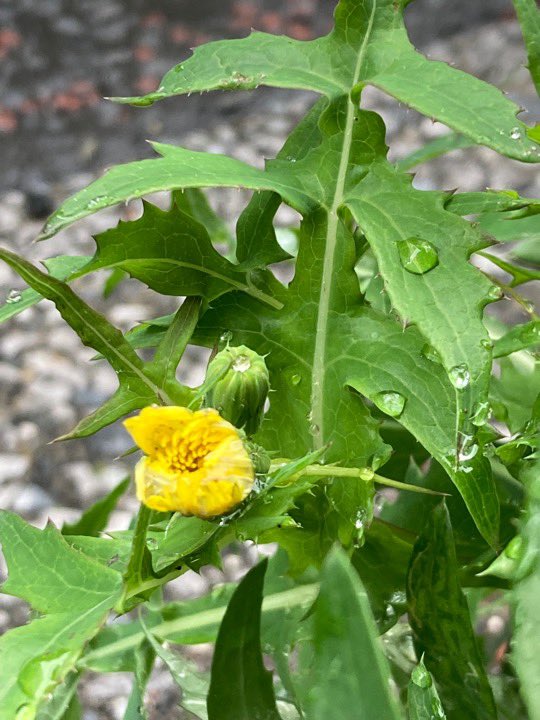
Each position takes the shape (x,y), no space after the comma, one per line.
(421,677)
(459,376)
(495,292)
(429,352)
(13,296)
(296,379)
(487,344)
(417,256)
(226,337)
(392,403)
(515,134)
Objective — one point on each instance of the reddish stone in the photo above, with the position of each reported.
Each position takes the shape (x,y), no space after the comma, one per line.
(155,19)
(8,120)
(180,34)
(9,39)
(146,84)
(66,102)
(143,53)
(271,22)
(27,107)
(201,38)
(244,14)
(299,31)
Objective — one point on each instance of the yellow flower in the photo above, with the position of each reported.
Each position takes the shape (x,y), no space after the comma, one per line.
(195,462)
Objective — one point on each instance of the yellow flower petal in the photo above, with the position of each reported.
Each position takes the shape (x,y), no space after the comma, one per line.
(197,466)
(153,425)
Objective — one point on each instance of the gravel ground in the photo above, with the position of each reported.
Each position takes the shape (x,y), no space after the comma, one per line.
(47,382)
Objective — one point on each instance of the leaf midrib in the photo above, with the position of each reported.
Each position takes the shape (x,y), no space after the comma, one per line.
(319,353)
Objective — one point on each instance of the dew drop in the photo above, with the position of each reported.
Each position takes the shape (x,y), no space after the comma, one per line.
(481,414)
(314,429)
(391,403)
(495,292)
(421,677)
(429,352)
(417,256)
(360,520)
(296,379)
(515,134)
(226,337)
(96,202)
(487,344)
(241,363)
(459,376)
(13,296)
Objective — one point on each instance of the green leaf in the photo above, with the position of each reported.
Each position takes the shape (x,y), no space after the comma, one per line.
(144,663)
(529,18)
(194,685)
(520,275)
(434,149)
(490,201)
(256,237)
(73,595)
(171,253)
(183,536)
(61,267)
(64,704)
(369,45)
(422,697)
(517,338)
(189,622)
(441,624)
(349,677)
(194,202)
(174,342)
(383,547)
(95,519)
(511,404)
(177,168)
(526,591)
(241,687)
(400,223)
(136,388)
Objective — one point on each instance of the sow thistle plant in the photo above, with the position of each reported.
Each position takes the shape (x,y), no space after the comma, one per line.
(378,368)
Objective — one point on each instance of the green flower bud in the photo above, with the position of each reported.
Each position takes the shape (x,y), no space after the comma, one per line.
(238,384)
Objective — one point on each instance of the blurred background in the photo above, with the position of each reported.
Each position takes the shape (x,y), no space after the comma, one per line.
(58,59)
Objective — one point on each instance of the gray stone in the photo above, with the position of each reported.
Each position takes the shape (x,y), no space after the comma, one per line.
(29,500)
(13,466)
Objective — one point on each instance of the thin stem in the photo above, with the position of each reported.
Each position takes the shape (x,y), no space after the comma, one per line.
(302,595)
(133,577)
(366,474)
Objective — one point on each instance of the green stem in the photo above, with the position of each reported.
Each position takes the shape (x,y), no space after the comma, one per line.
(302,595)
(366,474)
(133,577)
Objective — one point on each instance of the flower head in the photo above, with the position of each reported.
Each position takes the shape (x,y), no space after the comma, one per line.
(195,462)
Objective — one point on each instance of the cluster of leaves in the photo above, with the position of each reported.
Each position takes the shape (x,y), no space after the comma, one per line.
(378,356)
